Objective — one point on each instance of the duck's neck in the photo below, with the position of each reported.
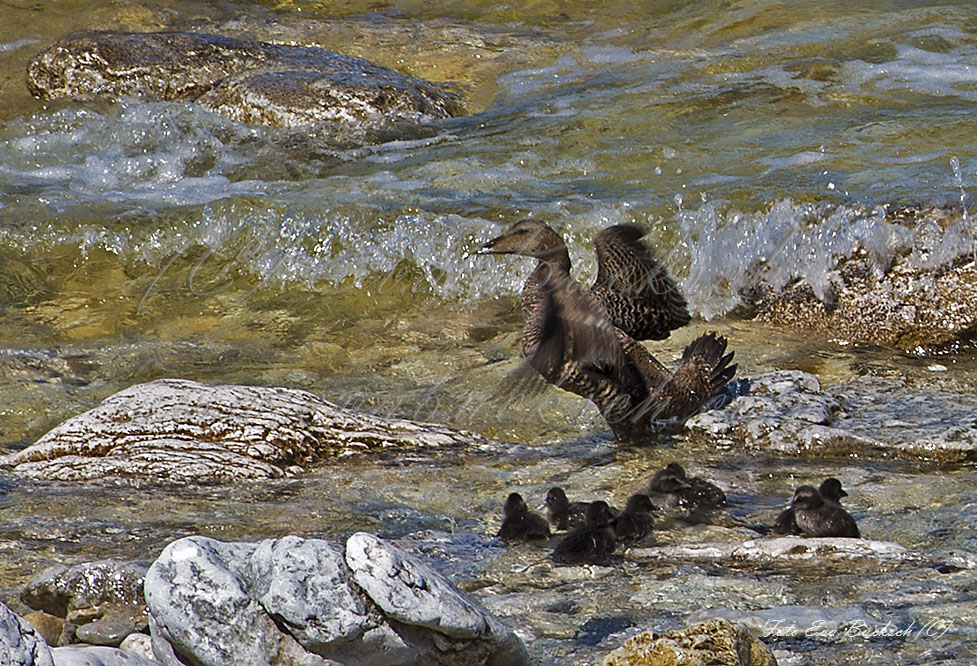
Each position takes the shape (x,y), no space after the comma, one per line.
(550,272)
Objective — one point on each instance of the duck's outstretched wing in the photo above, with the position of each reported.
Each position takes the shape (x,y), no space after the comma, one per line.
(699,379)
(638,294)
(577,341)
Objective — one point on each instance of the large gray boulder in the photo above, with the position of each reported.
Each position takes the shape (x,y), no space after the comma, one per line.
(98,656)
(20,644)
(790,412)
(249,81)
(179,430)
(308,601)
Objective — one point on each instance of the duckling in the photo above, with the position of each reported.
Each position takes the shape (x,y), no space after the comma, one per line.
(635,522)
(592,542)
(519,523)
(819,518)
(671,487)
(831,491)
(561,512)
(585,341)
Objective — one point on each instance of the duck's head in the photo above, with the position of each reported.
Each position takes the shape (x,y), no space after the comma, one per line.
(529,238)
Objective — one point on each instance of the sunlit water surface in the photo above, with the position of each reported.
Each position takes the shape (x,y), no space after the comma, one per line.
(141,240)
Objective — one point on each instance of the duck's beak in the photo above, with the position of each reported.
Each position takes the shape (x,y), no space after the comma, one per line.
(489,248)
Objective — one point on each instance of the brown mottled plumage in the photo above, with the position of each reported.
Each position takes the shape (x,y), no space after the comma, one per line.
(572,339)
(640,297)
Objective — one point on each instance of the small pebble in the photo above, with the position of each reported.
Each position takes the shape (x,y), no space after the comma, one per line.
(138,644)
(103,632)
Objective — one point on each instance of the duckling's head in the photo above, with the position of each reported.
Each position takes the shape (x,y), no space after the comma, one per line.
(806,497)
(556,499)
(514,505)
(529,238)
(831,489)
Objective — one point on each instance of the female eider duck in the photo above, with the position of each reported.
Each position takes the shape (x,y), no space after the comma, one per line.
(585,341)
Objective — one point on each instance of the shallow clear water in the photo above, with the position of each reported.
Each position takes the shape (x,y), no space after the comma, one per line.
(146,240)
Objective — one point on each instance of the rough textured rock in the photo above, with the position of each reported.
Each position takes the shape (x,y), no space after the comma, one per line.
(712,643)
(250,81)
(88,591)
(755,552)
(790,412)
(179,430)
(98,656)
(911,281)
(298,601)
(47,625)
(139,644)
(20,644)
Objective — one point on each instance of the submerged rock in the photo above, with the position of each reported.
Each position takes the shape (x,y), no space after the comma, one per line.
(307,601)
(713,643)
(790,412)
(249,81)
(179,430)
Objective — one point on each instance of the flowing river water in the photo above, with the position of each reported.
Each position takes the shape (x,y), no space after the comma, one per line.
(146,240)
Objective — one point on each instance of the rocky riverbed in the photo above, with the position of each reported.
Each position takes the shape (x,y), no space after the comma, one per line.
(315,283)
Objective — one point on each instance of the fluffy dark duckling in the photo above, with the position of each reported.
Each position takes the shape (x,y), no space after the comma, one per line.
(671,487)
(831,491)
(519,523)
(817,517)
(635,522)
(591,542)
(585,341)
(561,512)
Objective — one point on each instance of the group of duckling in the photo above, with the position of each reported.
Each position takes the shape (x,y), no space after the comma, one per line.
(594,529)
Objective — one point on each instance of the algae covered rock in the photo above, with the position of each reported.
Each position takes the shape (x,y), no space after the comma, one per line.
(712,643)
(179,431)
(247,80)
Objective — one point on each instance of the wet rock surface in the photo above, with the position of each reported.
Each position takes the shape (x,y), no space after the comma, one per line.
(790,412)
(760,552)
(246,80)
(309,602)
(89,591)
(922,292)
(714,643)
(178,431)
